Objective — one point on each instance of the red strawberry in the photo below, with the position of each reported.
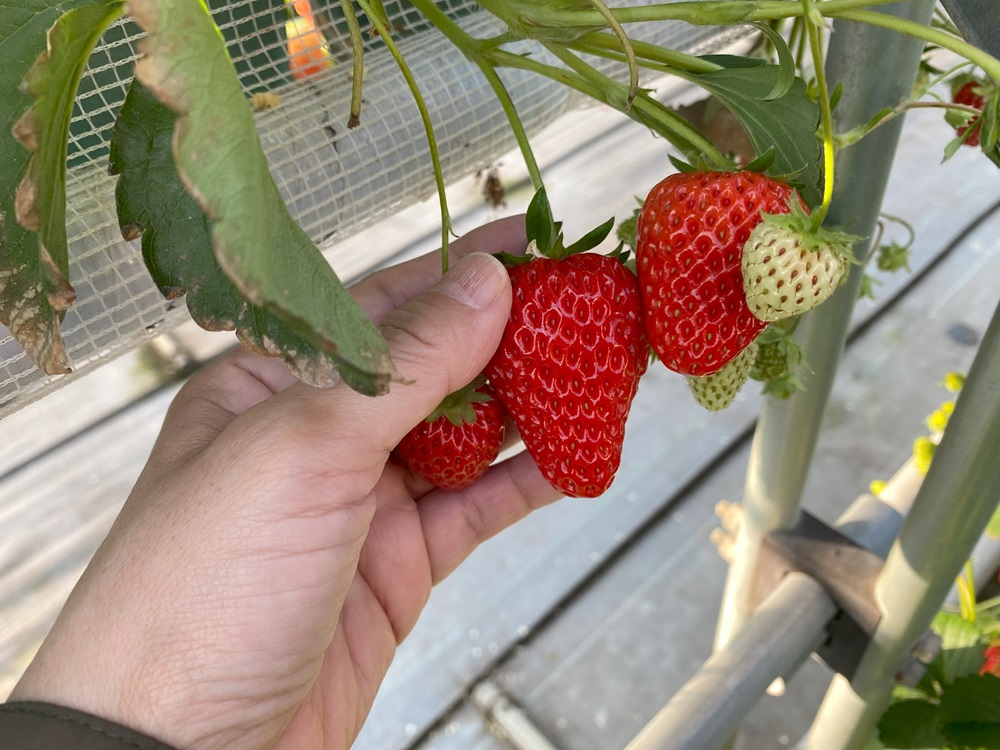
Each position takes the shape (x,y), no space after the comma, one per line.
(970,95)
(456,444)
(568,364)
(691,232)
(991,659)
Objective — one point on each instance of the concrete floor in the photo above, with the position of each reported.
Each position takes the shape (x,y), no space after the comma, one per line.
(589,614)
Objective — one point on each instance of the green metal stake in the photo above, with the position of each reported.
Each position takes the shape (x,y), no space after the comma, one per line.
(878,69)
(953,506)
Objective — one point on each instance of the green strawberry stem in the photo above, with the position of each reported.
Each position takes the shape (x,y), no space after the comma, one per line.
(626,45)
(709,12)
(425,117)
(826,116)
(358,52)
(729,12)
(852,136)
(668,60)
(476,51)
(989,64)
(645,109)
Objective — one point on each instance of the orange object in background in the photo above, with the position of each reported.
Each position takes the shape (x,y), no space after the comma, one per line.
(308,51)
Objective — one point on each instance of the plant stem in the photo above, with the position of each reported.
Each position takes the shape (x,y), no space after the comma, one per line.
(728,12)
(989,64)
(358,51)
(425,117)
(649,112)
(713,12)
(626,45)
(816,48)
(473,50)
(679,62)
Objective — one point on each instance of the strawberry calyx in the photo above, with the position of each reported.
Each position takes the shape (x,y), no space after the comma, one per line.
(545,237)
(799,222)
(457,407)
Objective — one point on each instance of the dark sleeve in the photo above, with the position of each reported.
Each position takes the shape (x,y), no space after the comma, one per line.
(28,725)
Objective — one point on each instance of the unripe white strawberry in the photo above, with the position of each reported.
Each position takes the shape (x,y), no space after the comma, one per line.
(788,268)
(716,391)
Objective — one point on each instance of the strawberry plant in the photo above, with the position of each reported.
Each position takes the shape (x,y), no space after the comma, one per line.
(210,220)
(955,705)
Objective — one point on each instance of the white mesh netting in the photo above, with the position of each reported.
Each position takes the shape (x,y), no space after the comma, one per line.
(335,181)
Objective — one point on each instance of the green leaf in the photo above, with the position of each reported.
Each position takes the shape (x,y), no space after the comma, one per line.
(539,225)
(787,123)
(954,145)
(177,239)
(219,157)
(970,712)
(786,62)
(852,136)
(592,239)
(912,725)
(35,291)
(961,646)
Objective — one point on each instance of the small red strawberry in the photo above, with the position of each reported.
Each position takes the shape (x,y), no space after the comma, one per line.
(569,361)
(691,232)
(991,659)
(970,94)
(790,267)
(456,444)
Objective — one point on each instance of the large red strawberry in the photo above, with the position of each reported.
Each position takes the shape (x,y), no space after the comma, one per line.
(970,94)
(456,444)
(690,237)
(569,361)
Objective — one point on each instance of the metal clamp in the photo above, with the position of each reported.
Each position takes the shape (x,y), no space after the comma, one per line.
(845,569)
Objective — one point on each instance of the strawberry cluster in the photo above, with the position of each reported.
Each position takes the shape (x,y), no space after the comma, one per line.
(721,257)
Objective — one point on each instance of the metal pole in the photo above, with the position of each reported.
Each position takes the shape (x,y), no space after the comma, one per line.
(787,431)
(784,630)
(776,639)
(952,508)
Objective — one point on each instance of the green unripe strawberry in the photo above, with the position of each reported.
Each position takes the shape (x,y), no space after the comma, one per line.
(789,268)
(716,391)
(778,359)
(772,362)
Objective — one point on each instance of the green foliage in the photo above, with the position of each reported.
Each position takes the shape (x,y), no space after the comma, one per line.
(786,123)
(250,220)
(34,123)
(177,239)
(954,707)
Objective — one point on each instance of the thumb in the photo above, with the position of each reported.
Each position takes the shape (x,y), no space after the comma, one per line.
(439,341)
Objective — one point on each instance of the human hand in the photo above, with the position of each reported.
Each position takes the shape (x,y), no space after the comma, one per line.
(271,557)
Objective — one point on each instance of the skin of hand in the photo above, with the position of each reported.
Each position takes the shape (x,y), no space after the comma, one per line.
(271,557)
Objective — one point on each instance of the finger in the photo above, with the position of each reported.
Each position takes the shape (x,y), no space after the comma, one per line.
(455,523)
(392,287)
(210,401)
(439,341)
(242,379)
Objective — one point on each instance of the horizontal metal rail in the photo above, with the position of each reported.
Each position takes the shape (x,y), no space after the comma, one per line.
(776,639)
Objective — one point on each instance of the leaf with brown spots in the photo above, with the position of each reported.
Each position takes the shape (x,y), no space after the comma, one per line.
(219,158)
(176,236)
(44,47)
